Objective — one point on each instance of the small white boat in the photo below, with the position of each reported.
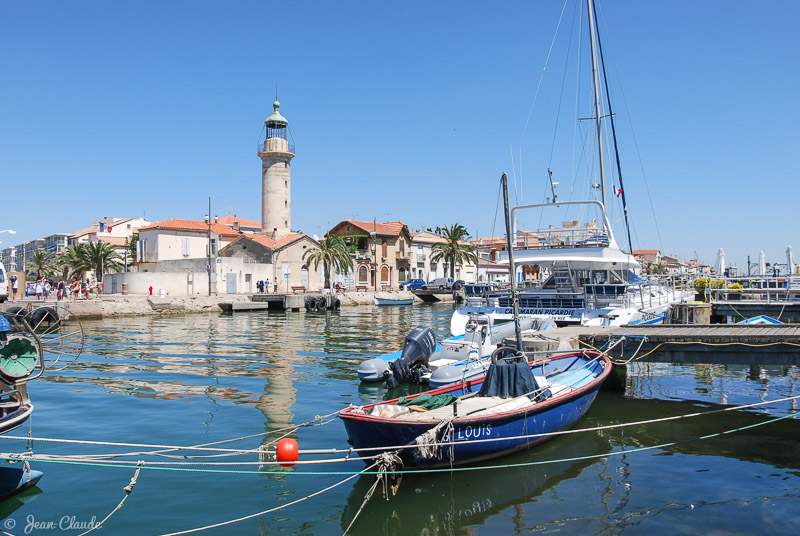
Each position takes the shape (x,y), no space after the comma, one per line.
(453,360)
(393,301)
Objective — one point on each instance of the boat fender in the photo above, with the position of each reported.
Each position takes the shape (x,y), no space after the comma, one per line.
(309,303)
(44,314)
(287,452)
(337,303)
(16,314)
(322,304)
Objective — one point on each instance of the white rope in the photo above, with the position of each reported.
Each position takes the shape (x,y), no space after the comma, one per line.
(128,489)
(281,507)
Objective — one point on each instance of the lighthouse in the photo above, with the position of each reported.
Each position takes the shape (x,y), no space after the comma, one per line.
(276,177)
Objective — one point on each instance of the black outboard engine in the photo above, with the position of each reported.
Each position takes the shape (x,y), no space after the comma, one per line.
(418,347)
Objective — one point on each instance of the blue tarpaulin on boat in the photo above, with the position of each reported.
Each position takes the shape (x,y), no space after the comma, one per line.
(508,379)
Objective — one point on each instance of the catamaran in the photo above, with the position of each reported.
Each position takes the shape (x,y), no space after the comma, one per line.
(589,280)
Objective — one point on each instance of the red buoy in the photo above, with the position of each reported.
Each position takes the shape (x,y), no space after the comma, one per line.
(287,452)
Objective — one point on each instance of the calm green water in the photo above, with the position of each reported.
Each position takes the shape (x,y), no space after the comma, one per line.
(202,378)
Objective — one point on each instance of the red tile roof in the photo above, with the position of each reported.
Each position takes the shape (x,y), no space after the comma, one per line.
(94,229)
(191,225)
(390,228)
(228,220)
(645,251)
(113,240)
(266,241)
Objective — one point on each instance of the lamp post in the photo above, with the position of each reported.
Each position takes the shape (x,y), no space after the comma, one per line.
(208,223)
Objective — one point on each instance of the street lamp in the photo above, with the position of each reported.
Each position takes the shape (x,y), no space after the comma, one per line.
(208,222)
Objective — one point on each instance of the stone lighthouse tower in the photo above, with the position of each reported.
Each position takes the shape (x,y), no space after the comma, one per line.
(276,177)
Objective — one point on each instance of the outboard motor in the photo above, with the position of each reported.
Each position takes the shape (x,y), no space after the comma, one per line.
(418,347)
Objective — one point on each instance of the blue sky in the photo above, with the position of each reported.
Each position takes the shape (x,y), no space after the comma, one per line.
(398,111)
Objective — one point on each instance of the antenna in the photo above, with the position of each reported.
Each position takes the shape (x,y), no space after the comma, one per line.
(276,91)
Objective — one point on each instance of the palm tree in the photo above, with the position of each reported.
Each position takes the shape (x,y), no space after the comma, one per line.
(42,263)
(332,253)
(455,250)
(101,257)
(69,263)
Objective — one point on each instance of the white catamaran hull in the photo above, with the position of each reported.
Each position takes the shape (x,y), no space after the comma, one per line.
(611,316)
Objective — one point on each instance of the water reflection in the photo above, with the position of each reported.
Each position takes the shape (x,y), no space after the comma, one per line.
(197,378)
(447,503)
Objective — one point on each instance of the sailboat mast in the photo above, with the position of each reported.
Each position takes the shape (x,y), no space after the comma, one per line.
(597,111)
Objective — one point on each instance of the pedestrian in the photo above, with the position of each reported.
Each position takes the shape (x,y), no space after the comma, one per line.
(14,287)
(86,289)
(39,289)
(266,284)
(46,288)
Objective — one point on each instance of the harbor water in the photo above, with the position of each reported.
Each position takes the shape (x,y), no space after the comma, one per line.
(204,378)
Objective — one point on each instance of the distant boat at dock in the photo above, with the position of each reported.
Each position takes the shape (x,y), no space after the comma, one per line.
(393,301)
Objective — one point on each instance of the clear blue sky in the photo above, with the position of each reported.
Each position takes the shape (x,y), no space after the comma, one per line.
(125,108)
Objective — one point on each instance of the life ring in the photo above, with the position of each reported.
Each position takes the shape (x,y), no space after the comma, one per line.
(505,352)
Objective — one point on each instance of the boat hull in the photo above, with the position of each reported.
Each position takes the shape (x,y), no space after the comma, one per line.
(393,301)
(477,438)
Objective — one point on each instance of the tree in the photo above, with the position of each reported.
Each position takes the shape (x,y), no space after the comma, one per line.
(131,246)
(455,251)
(42,264)
(332,253)
(101,257)
(69,263)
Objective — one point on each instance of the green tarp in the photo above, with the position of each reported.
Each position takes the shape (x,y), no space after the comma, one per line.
(428,402)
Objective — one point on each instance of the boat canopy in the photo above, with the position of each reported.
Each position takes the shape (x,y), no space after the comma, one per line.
(580,258)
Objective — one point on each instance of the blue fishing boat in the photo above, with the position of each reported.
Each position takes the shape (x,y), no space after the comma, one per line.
(28,336)
(393,301)
(505,411)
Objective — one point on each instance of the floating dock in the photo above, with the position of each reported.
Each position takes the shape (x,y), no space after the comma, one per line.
(723,344)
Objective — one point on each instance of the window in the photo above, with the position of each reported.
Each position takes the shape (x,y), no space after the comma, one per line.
(401,274)
(383,248)
(402,250)
(385,275)
(185,247)
(363,274)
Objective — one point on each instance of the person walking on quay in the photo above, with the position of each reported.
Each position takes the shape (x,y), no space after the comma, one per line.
(60,290)
(14,287)
(86,289)
(266,284)
(38,289)
(46,289)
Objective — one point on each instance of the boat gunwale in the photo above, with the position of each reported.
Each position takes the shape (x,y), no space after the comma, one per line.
(537,407)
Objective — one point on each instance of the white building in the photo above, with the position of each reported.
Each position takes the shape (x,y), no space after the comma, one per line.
(422,243)
(181,239)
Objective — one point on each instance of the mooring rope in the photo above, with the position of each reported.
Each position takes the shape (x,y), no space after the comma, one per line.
(198,466)
(128,489)
(387,463)
(269,511)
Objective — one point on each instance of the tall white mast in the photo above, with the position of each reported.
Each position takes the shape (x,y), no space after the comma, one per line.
(597,111)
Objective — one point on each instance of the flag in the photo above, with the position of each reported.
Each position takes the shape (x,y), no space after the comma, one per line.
(618,192)
(102,227)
